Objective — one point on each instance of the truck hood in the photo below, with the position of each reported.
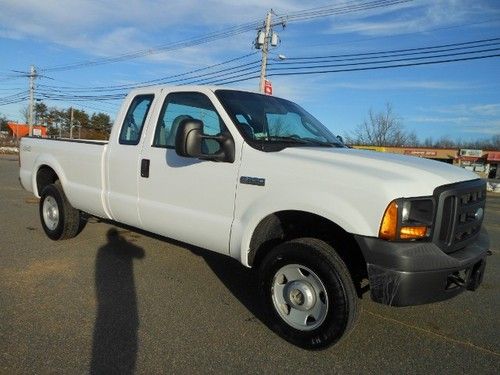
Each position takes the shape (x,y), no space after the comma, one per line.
(412,176)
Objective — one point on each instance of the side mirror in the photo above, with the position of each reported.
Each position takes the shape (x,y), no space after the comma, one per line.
(189,142)
(340,139)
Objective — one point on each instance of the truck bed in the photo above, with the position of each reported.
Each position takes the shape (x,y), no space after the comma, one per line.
(78,163)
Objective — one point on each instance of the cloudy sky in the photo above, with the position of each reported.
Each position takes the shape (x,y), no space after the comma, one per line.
(460,99)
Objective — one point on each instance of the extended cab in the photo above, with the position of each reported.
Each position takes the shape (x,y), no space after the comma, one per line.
(259,179)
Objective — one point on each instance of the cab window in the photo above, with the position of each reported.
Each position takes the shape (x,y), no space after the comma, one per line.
(137,113)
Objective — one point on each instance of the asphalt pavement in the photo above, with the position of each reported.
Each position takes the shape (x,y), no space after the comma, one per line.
(117,298)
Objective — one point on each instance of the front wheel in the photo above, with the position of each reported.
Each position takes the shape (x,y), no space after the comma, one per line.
(308,293)
(59,219)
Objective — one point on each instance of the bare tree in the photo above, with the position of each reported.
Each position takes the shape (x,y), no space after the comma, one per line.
(412,140)
(382,129)
(428,142)
(495,142)
(24,111)
(386,129)
(445,142)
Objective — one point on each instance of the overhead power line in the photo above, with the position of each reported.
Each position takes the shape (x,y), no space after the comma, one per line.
(427,49)
(337,9)
(463,51)
(14,98)
(377,58)
(386,66)
(231,71)
(100,97)
(375,63)
(175,78)
(146,52)
(315,65)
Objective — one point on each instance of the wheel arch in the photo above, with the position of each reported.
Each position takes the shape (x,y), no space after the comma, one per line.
(45,175)
(46,171)
(286,225)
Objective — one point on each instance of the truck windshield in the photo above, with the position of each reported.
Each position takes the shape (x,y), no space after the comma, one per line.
(271,123)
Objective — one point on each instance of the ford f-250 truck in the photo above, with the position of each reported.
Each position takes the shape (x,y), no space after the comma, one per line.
(259,179)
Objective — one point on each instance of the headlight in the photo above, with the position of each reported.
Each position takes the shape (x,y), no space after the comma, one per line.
(407,219)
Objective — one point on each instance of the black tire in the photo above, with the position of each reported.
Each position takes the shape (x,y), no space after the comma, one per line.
(340,305)
(66,223)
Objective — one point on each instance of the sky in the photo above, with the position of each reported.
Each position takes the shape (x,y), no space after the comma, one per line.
(459,100)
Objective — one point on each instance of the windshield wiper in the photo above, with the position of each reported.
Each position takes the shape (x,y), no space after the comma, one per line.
(299,141)
(317,142)
(286,139)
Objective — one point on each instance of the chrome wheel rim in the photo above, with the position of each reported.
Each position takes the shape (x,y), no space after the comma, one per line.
(299,296)
(50,212)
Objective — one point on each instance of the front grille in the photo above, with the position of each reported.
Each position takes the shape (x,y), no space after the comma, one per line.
(460,214)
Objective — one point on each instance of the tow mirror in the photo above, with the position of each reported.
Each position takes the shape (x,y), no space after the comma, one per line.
(190,141)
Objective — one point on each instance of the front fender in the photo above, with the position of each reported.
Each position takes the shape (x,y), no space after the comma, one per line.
(340,212)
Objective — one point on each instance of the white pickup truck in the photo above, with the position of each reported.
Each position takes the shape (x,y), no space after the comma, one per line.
(259,179)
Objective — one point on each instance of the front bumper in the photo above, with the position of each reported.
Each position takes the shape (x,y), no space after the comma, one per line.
(414,273)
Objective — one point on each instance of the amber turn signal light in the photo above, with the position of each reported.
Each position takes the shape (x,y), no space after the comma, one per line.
(389,225)
(408,233)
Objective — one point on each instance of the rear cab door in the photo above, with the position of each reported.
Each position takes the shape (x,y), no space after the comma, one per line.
(123,155)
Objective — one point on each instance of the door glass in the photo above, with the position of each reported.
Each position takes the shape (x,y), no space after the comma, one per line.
(135,119)
(187,105)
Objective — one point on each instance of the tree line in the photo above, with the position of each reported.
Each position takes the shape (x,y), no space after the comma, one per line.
(58,122)
(386,128)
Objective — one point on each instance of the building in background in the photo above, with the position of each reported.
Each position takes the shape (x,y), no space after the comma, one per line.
(446,155)
(485,163)
(18,130)
(473,160)
(493,160)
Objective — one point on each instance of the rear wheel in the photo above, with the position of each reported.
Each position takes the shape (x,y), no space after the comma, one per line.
(59,219)
(308,292)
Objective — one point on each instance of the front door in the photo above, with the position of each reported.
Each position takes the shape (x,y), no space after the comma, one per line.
(187,199)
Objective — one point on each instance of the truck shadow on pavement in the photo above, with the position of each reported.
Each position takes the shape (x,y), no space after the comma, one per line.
(115,343)
(240,281)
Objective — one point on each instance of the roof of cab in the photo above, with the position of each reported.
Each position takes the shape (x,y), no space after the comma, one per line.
(186,88)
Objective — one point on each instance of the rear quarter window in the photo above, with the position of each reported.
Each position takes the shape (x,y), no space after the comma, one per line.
(136,116)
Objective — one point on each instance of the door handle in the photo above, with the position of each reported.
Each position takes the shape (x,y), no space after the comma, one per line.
(145,168)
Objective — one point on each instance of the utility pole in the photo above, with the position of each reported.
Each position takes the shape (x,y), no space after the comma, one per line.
(32,99)
(265,50)
(267,38)
(71,125)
